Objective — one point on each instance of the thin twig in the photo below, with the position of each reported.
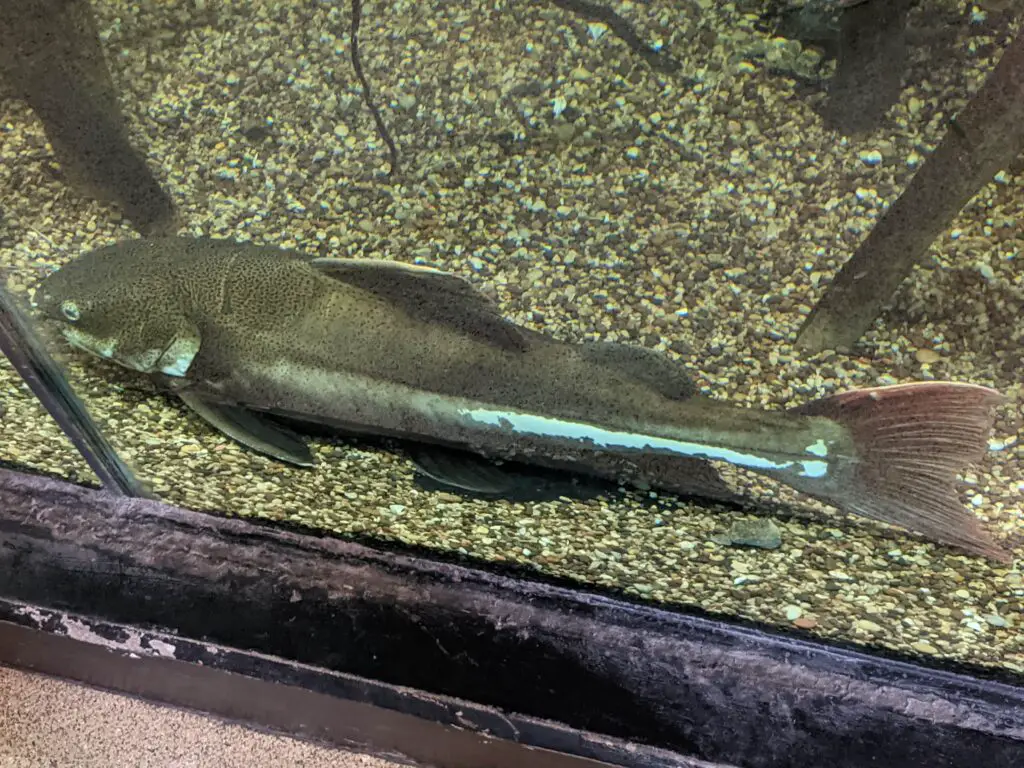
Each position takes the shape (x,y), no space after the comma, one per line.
(623,29)
(382,129)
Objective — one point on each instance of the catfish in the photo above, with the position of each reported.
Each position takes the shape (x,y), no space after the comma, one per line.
(246,335)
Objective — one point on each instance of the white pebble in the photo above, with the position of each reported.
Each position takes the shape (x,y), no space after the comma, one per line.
(793,612)
(870,157)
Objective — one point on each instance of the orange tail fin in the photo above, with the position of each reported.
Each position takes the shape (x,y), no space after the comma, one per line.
(910,442)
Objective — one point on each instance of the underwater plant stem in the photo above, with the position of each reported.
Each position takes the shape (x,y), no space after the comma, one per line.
(985,137)
(44,377)
(382,129)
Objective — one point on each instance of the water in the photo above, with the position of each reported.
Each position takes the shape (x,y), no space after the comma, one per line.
(699,211)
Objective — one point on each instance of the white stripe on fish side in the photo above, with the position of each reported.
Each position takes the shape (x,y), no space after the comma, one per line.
(532,424)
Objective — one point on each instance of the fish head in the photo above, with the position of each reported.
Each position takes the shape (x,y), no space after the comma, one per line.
(123,310)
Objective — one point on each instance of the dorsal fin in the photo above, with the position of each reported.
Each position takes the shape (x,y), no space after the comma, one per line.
(648,366)
(429,295)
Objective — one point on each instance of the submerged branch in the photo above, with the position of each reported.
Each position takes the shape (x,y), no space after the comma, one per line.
(985,137)
(623,29)
(50,51)
(382,129)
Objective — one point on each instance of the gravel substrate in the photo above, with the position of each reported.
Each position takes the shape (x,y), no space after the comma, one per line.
(699,212)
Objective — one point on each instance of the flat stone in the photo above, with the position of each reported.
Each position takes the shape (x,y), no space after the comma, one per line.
(761,533)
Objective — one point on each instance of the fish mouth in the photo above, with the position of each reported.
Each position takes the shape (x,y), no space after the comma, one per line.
(87,342)
(173,360)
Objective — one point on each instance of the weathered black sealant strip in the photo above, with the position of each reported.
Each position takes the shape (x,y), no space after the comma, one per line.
(302,701)
(705,689)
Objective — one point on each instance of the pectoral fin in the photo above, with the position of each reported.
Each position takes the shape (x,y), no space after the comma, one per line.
(251,429)
(430,296)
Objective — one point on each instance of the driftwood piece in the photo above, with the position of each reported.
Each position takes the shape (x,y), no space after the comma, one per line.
(985,137)
(872,59)
(50,52)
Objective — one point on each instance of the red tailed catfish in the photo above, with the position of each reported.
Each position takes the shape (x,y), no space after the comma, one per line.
(244,333)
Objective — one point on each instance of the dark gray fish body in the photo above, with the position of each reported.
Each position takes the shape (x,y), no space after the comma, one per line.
(390,349)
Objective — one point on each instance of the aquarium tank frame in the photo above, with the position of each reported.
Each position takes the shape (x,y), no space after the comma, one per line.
(442,663)
(421,657)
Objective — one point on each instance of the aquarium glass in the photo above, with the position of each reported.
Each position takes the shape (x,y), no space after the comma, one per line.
(685,178)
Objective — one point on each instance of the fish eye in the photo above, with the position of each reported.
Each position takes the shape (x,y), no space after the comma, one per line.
(70,310)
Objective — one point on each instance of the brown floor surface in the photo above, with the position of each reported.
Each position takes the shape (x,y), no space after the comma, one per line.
(45,722)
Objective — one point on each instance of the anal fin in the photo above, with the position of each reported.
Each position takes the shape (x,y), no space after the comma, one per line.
(459,469)
(469,473)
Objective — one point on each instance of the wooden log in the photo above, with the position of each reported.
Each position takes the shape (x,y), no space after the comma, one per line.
(984,138)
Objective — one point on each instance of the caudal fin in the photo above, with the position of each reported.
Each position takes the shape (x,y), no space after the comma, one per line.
(910,442)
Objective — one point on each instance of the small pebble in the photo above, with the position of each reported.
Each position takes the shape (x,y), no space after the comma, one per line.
(564,132)
(866,625)
(793,612)
(870,157)
(761,533)
(996,620)
(922,647)
(805,623)
(927,356)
